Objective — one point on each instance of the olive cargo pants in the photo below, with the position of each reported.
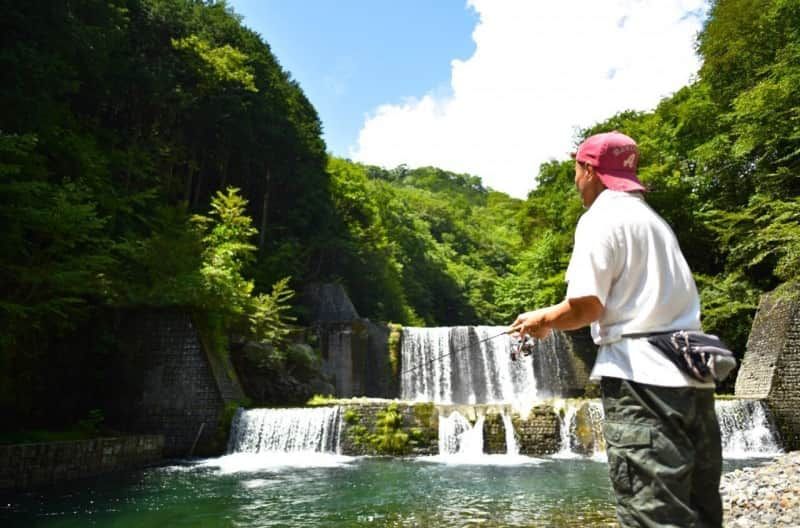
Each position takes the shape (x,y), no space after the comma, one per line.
(664,454)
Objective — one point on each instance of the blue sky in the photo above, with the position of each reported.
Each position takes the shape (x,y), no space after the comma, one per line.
(350,56)
(486,87)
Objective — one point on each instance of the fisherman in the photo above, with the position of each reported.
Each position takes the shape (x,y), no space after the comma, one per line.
(626,276)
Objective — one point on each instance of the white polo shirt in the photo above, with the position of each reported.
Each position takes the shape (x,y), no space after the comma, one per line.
(627,256)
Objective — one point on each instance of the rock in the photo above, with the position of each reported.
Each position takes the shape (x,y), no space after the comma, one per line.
(763,496)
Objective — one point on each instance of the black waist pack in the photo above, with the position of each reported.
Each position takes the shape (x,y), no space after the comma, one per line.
(702,356)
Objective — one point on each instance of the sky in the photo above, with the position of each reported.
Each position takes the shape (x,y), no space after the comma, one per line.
(493,88)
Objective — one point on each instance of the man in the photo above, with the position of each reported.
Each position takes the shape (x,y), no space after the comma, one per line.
(627,275)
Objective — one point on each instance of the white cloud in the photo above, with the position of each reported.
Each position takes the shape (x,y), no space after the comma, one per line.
(539,71)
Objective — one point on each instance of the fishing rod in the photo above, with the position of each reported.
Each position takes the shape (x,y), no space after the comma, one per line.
(524,347)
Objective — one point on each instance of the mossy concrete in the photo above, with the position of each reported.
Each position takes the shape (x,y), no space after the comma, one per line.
(364,422)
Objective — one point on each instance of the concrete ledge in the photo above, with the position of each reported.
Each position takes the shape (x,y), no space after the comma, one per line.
(537,433)
(26,466)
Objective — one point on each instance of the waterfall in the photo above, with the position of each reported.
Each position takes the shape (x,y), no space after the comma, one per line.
(460,365)
(315,429)
(458,437)
(512,448)
(744,426)
(431,380)
(581,428)
(746,429)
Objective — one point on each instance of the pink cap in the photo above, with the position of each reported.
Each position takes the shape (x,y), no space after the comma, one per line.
(615,157)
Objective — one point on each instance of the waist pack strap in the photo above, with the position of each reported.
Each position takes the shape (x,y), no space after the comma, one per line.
(649,334)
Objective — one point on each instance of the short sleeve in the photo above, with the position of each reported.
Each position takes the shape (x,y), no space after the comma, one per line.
(593,262)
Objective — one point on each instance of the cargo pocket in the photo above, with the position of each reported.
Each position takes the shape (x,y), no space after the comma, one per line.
(621,440)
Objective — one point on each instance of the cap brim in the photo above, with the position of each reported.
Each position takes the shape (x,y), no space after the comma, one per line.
(621,181)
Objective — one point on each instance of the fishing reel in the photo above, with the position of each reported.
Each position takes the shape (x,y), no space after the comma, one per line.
(521,346)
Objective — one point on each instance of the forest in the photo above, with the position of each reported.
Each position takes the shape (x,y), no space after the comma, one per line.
(155,153)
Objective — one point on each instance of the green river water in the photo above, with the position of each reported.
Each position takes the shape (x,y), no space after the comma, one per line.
(247,491)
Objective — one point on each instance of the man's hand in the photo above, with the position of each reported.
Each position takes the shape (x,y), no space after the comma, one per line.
(569,314)
(531,323)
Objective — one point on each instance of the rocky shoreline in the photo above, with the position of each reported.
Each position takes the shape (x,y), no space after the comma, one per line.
(767,495)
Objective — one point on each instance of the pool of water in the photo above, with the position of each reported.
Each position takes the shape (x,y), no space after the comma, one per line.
(245,491)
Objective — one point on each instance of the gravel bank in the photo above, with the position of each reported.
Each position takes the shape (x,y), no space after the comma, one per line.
(768,495)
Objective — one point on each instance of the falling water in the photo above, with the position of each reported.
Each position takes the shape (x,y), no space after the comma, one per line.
(512,448)
(581,428)
(746,429)
(458,437)
(462,365)
(549,366)
(744,425)
(286,430)
(566,414)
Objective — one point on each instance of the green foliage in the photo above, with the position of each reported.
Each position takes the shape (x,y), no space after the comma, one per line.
(55,256)
(351,416)
(537,279)
(225,235)
(226,250)
(268,314)
(219,64)
(728,305)
(120,120)
(319,400)
(425,246)
(394,343)
(389,437)
(773,254)
(359,434)
(162,267)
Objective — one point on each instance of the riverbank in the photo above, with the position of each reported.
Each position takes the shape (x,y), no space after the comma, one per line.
(767,495)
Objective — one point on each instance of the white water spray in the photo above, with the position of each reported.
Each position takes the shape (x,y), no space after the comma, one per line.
(744,425)
(302,430)
(512,448)
(746,429)
(478,370)
(458,437)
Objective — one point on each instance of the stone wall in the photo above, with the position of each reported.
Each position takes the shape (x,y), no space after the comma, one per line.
(355,356)
(26,466)
(379,379)
(536,434)
(539,433)
(354,349)
(770,369)
(420,421)
(170,384)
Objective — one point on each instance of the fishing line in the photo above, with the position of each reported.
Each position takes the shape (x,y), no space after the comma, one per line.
(505,332)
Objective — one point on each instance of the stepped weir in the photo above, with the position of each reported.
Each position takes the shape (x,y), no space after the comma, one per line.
(461,392)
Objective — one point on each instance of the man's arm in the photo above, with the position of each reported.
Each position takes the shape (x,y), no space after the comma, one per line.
(569,314)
